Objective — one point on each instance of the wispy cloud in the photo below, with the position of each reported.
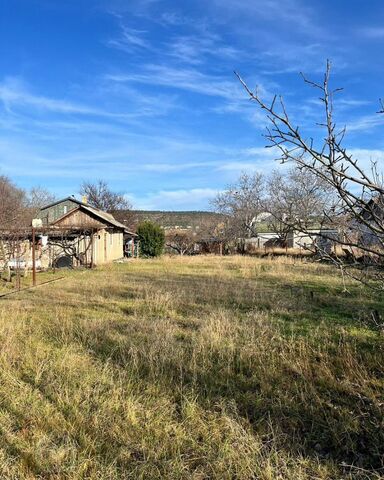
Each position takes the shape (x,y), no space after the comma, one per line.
(189,79)
(365,123)
(129,40)
(367,157)
(372,32)
(14,93)
(174,19)
(195,49)
(293,13)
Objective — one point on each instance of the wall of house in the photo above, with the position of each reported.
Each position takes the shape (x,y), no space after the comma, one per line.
(294,239)
(51,214)
(108,243)
(107,246)
(303,240)
(260,240)
(79,218)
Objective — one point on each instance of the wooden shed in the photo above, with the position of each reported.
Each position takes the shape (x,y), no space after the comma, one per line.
(85,233)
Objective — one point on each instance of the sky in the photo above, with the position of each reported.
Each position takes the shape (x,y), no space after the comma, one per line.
(142,93)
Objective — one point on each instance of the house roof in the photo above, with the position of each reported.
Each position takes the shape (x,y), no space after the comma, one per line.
(71,198)
(100,214)
(107,217)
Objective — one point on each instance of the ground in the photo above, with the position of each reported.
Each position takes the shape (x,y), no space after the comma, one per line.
(193,368)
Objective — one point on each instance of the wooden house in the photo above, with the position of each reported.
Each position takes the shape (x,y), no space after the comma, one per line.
(80,234)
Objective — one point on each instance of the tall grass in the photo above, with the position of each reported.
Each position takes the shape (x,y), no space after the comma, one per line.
(192,368)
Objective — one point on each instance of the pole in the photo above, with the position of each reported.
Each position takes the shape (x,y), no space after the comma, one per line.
(33,257)
(91,240)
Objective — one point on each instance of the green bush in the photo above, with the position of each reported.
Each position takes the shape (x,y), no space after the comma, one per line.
(152,239)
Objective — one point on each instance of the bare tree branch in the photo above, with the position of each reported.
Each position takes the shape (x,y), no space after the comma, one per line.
(357,211)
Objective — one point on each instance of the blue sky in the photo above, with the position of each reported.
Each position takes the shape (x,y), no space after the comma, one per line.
(142,93)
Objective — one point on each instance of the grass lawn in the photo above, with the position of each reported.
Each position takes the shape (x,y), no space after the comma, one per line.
(192,368)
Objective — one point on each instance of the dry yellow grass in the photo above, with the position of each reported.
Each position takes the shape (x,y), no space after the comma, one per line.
(192,368)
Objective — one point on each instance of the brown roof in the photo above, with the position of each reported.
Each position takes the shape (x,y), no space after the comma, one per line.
(103,216)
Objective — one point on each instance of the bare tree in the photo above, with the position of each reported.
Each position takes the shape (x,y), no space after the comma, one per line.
(100,195)
(358,212)
(181,241)
(296,199)
(72,245)
(12,204)
(38,197)
(242,203)
(35,199)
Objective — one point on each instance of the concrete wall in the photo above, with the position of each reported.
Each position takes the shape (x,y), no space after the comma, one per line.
(260,240)
(294,239)
(314,237)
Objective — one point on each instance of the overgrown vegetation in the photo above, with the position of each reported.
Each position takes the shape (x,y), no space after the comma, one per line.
(200,367)
(151,238)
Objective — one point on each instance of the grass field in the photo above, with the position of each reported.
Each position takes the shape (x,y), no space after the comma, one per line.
(193,368)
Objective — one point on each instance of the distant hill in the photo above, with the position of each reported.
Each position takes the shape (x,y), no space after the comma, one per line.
(168,219)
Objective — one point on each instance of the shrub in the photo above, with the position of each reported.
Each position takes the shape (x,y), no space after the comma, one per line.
(152,239)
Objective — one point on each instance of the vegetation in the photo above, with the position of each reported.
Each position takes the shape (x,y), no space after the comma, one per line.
(193,220)
(152,239)
(99,195)
(193,368)
(355,208)
(17,206)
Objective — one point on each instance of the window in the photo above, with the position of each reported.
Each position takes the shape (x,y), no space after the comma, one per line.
(65,209)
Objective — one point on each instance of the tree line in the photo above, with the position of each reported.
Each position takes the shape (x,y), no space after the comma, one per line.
(19,206)
(355,207)
(277,202)
(325,187)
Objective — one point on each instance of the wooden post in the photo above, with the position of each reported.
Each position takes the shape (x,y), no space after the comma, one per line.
(221,248)
(9,274)
(133,248)
(18,280)
(91,247)
(33,257)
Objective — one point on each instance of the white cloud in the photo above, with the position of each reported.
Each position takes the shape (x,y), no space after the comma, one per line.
(261,152)
(129,40)
(365,123)
(185,79)
(195,48)
(365,157)
(13,93)
(174,19)
(373,32)
(227,88)
(295,14)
